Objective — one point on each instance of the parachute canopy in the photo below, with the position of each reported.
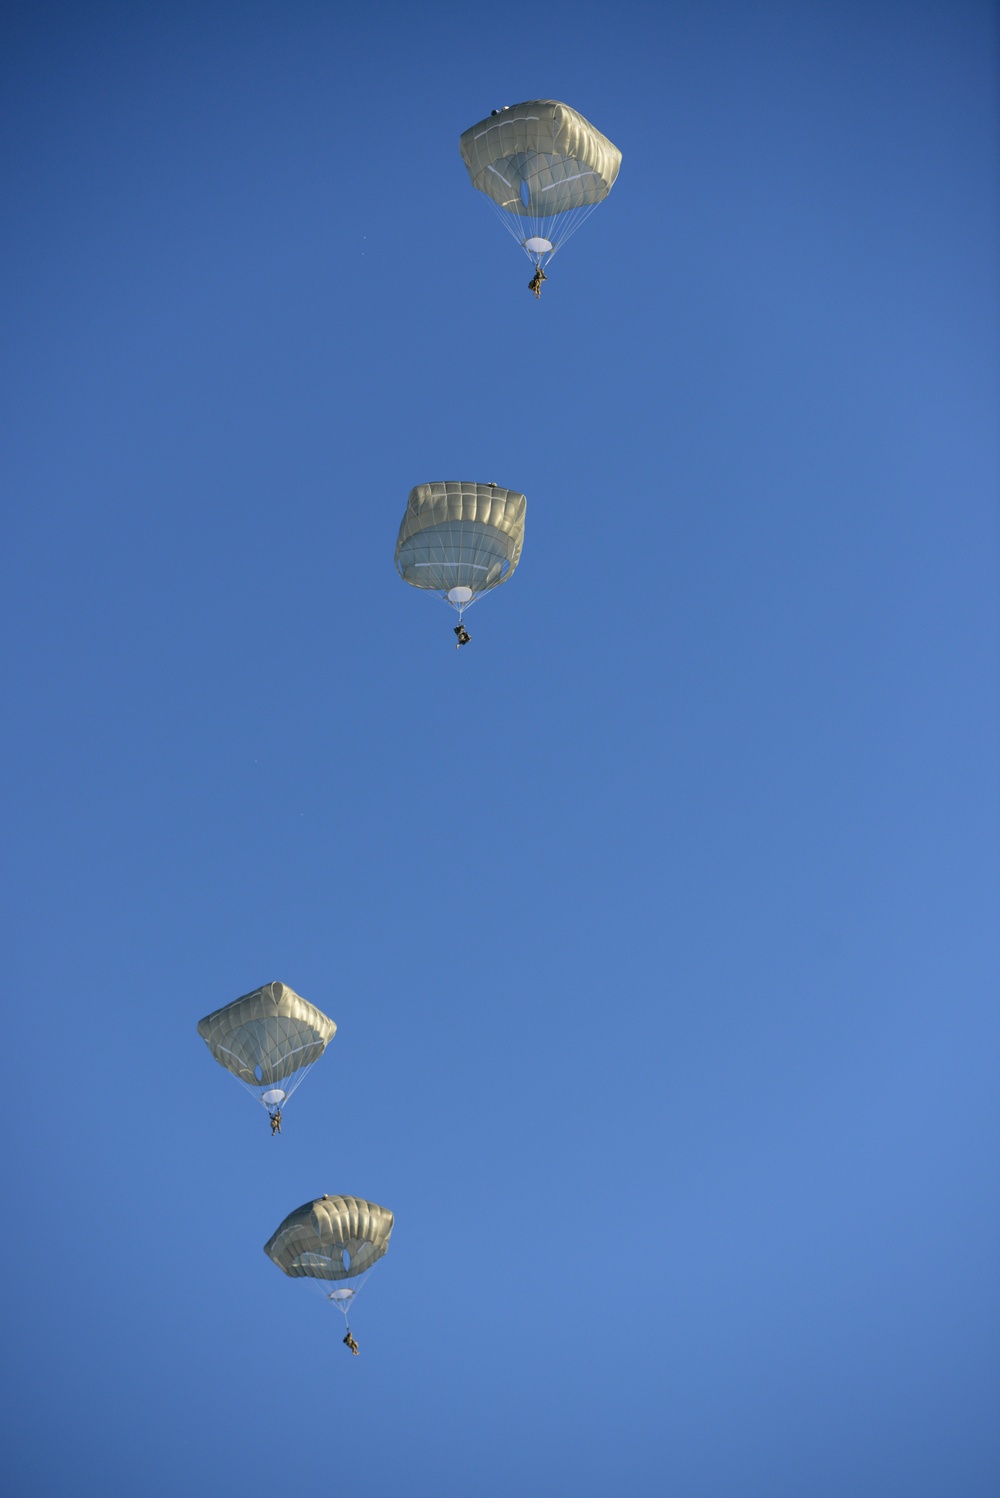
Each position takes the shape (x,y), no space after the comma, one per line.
(460,539)
(544,167)
(268,1039)
(332,1238)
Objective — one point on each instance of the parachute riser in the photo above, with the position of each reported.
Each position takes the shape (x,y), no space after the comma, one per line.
(289,1085)
(552,229)
(343,1300)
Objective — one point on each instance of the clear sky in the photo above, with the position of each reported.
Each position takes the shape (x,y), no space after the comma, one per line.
(658,924)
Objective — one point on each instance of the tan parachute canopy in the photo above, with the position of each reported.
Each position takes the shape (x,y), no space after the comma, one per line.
(266,1038)
(332,1238)
(460,539)
(544,167)
(540,157)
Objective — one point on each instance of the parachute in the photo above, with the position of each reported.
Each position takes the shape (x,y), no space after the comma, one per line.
(544,168)
(460,539)
(268,1039)
(334,1242)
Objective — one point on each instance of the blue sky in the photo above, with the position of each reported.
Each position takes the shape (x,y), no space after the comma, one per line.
(658,924)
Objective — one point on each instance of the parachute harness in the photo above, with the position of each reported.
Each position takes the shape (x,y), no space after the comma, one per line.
(462,636)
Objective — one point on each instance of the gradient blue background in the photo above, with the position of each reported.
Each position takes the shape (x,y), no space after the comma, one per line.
(658,924)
